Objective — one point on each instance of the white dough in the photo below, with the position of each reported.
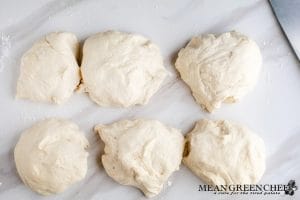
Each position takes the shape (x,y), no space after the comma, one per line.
(121,69)
(219,68)
(51,155)
(223,153)
(142,153)
(49,71)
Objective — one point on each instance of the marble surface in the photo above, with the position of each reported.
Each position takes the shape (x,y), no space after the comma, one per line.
(272,109)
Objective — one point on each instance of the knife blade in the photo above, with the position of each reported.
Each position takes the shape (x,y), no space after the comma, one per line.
(287,13)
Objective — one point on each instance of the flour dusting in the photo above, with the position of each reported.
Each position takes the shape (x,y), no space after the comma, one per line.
(5,45)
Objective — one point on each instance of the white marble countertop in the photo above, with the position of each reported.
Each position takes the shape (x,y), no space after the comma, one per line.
(272,109)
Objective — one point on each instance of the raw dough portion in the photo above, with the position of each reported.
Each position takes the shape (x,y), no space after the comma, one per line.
(142,153)
(49,70)
(51,155)
(219,68)
(221,152)
(121,69)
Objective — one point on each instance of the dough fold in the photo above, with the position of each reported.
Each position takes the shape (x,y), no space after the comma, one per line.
(51,155)
(49,71)
(220,68)
(141,153)
(121,69)
(222,153)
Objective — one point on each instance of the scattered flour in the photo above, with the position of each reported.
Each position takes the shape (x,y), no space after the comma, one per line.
(5,45)
(264,43)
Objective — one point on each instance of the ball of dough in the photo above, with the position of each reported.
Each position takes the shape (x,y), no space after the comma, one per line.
(221,152)
(51,155)
(142,153)
(49,71)
(219,68)
(121,69)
